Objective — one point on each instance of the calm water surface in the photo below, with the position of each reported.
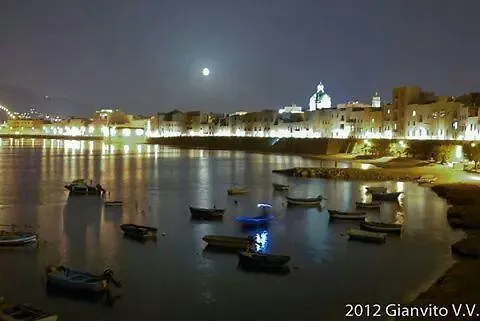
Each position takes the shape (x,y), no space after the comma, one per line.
(173,278)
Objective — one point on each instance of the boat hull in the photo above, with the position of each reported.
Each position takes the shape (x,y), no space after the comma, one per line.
(254,221)
(17,239)
(386,196)
(113,203)
(280,187)
(226,242)
(206,213)
(351,217)
(366,236)
(382,228)
(369,206)
(376,189)
(27,312)
(304,202)
(75,281)
(237,191)
(262,260)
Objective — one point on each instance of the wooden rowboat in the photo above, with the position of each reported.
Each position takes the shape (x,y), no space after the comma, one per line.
(237,191)
(381,227)
(113,203)
(23,312)
(311,201)
(393,196)
(67,278)
(367,236)
(376,189)
(347,215)
(17,238)
(139,232)
(227,242)
(262,260)
(199,213)
(371,205)
(280,187)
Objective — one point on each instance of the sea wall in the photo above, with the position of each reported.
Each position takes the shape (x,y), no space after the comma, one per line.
(16,136)
(259,144)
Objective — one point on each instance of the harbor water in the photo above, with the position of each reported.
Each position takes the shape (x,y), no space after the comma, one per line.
(174,278)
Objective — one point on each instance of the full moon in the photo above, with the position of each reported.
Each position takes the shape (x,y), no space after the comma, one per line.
(206,71)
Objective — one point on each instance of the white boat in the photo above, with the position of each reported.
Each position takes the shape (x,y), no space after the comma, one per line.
(17,238)
(371,205)
(23,312)
(366,236)
(237,191)
(309,201)
(426,179)
(376,189)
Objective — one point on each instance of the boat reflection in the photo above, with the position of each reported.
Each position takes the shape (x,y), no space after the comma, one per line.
(261,241)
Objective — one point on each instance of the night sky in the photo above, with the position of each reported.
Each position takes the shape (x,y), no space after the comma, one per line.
(147,56)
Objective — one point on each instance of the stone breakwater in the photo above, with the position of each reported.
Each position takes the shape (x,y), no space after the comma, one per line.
(346,174)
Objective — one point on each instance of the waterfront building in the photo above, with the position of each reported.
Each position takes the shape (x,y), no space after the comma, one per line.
(320,99)
(292,109)
(376,101)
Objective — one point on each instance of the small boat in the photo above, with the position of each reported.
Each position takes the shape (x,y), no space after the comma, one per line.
(381,227)
(367,236)
(82,187)
(113,203)
(427,179)
(347,215)
(280,187)
(376,189)
(230,242)
(262,260)
(255,221)
(23,312)
(64,277)
(237,191)
(200,213)
(392,196)
(312,201)
(17,238)
(371,205)
(139,231)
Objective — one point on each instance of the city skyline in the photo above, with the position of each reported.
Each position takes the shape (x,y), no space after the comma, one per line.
(149,56)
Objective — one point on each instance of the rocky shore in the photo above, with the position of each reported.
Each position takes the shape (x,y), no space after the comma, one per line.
(347,174)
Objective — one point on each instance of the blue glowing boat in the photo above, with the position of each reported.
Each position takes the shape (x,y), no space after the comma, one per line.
(255,221)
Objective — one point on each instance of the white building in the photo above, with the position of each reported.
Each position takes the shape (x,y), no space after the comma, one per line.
(294,109)
(320,99)
(376,101)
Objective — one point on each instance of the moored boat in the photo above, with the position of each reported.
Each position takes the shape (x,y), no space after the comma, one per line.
(367,236)
(262,260)
(227,242)
(346,215)
(381,227)
(113,203)
(23,312)
(67,278)
(255,221)
(200,213)
(392,196)
(427,179)
(82,187)
(310,201)
(237,191)
(376,189)
(370,205)
(139,231)
(280,187)
(17,238)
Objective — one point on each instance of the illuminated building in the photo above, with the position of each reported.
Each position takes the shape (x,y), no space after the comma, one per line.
(320,99)
(376,101)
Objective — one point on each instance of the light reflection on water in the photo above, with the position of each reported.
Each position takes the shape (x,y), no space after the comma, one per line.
(157,184)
